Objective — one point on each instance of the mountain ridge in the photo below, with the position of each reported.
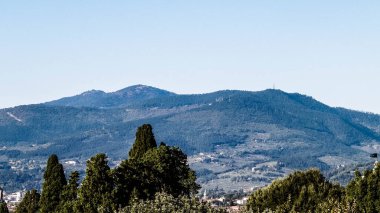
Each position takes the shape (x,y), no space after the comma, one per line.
(98,98)
(225,133)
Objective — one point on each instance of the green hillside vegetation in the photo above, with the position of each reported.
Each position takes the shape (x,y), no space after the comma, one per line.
(153,177)
(309,191)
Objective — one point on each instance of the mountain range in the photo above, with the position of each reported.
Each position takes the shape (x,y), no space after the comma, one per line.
(234,139)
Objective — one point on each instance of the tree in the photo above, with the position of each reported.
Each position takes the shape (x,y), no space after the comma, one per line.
(332,205)
(171,170)
(54,181)
(134,180)
(96,190)
(157,169)
(364,190)
(70,194)
(149,171)
(302,191)
(3,207)
(163,202)
(127,179)
(143,142)
(30,203)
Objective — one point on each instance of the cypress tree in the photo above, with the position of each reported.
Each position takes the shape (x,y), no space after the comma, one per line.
(54,181)
(144,142)
(30,203)
(96,190)
(70,194)
(71,189)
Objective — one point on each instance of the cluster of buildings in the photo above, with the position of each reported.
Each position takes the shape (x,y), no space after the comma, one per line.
(221,202)
(25,165)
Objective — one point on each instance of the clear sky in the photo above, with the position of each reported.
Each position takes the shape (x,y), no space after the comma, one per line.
(328,49)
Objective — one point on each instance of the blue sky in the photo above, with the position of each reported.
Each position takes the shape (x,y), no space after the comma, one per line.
(326,49)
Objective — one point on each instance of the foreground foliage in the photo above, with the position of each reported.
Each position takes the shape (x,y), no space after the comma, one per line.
(30,203)
(164,202)
(299,192)
(364,189)
(52,187)
(3,207)
(148,171)
(309,192)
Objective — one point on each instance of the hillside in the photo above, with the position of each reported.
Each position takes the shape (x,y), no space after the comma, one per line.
(240,137)
(100,99)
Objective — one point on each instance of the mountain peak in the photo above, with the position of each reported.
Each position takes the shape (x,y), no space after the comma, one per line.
(92,92)
(140,89)
(98,98)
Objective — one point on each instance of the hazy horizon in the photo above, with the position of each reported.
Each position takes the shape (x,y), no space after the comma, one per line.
(324,49)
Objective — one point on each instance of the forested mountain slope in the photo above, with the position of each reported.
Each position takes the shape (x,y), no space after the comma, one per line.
(227,134)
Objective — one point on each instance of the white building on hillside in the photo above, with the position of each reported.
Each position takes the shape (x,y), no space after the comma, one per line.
(14,198)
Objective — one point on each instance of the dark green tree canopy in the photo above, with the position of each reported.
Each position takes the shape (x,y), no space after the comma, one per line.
(148,171)
(30,203)
(143,142)
(51,163)
(96,189)
(364,190)
(299,192)
(54,181)
(172,172)
(152,170)
(165,203)
(69,196)
(3,207)
(70,191)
